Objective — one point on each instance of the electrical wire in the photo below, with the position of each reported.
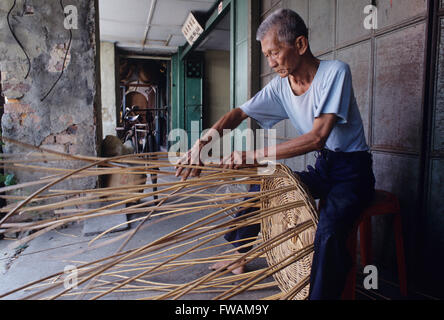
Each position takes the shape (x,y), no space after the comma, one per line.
(16,39)
(64,60)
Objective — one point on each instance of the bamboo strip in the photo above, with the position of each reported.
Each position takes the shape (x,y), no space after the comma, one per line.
(275,268)
(222,283)
(293,292)
(131,235)
(128,254)
(251,252)
(229,207)
(193,230)
(131,261)
(81,216)
(39,149)
(58,274)
(276,296)
(24,185)
(26,201)
(182,262)
(145,272)
(250,279)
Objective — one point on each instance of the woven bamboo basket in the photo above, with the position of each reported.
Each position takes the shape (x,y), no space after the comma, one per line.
(298,272)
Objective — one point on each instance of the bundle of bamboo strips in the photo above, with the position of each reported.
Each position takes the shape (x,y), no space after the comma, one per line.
(141,268)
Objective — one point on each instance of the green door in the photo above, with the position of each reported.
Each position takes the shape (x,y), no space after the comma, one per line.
(193,98)
(239,60)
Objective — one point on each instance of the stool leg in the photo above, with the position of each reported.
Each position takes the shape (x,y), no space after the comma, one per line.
(400,254)
(365,239)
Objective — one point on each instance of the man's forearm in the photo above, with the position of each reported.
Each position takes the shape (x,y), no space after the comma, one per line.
(312,141)
(293,148)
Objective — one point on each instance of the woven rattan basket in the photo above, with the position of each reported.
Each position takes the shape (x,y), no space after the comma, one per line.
(297,273)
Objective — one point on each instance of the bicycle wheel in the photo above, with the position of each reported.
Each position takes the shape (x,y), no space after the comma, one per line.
(129,142)
(150,144)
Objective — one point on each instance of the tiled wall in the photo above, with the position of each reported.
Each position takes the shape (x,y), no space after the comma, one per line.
(433,246)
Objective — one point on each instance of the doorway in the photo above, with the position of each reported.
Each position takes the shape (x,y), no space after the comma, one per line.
(144,100)
(216,54)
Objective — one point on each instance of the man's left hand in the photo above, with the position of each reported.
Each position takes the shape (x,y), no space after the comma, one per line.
(239,159)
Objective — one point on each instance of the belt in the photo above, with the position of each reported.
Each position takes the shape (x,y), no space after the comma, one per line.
(328,154)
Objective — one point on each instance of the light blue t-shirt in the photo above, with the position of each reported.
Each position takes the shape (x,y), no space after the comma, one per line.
(331,92)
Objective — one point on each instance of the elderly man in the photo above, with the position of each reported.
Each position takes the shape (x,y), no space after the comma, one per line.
(318,98)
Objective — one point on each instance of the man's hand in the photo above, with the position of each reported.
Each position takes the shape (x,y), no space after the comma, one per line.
(230,121)
(239,159)
(192,157)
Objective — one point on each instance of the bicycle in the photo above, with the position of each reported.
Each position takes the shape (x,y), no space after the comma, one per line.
(139,136)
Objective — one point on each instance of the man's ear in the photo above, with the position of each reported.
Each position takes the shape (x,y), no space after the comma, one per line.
(301,45)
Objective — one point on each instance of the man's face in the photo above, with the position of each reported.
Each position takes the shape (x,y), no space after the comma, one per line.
(282,58)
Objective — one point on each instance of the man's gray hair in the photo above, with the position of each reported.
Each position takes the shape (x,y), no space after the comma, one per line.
(289,26)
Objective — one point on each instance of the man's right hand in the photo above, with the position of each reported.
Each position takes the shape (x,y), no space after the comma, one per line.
(229,121)
(192,157)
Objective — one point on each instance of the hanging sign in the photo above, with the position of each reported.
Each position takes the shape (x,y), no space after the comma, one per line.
(192,29)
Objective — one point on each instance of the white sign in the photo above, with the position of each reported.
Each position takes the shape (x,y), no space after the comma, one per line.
(192,29)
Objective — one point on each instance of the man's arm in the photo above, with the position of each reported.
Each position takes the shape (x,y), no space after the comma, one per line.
(230,121)
(312,141)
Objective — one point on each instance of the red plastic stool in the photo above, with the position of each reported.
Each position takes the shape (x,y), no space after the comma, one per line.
(384,203)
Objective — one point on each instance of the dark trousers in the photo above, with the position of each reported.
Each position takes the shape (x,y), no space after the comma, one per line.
(344,182)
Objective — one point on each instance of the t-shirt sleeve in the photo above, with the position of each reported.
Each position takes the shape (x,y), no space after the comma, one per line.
(266,107)
(337,94)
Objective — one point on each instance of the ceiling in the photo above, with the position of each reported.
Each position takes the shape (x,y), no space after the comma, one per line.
(155,26)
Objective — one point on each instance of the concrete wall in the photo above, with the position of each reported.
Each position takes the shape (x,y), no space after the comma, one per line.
(388,68)
(68,120)
(108,84)
(217,86)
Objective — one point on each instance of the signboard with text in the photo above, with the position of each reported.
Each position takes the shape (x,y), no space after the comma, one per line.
(192,29)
